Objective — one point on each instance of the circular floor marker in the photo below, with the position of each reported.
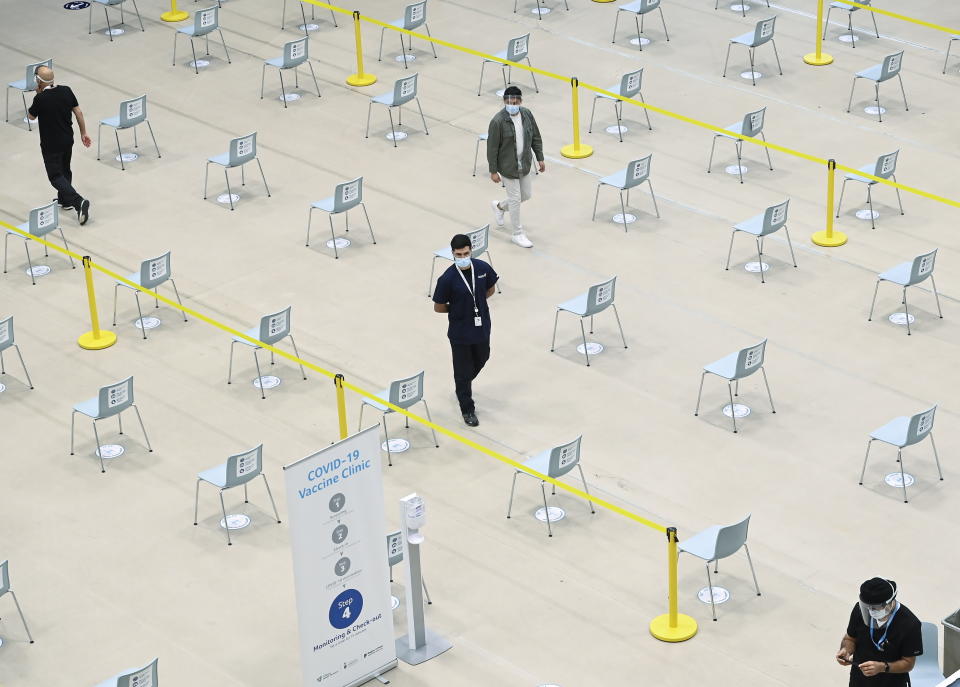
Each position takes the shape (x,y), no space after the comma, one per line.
(753,76)
(639,40)
(147,322)
(719,595)
(756,266)
(200,64)
(847,38)
(108,451)
(555,514)
(397,135)
(739,410)
(394,603)
(113,32)
(410,58)
(901,318)
(267,382)
(340,242)
(290,97)
(225,198)
(619,218)
(540,10)
(617,130)
(309,27)
(396,445)
(38,271)
(593,348)
(894,479)
(2,388)
(235,521)
(741,7)
(874,110)
(126,157)
(736,169)
(866,213)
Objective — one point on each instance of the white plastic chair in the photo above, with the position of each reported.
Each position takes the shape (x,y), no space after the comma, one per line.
(733,368)
(628,87)
(112,3)
(518,50)
(752,126)
(272,328)
(5,588)
(639,9)
(878,73)
(112,400)
(762,33)
(132,113)
(404,90)
(153,272)
(414,16)
(886,168)
(598,298)
(205,22)
(849,9)
(313,16)
(25,85)
(479,245)
(43,220)
(953,38)
(243,149)
(346,196)
(773,219)
(294,54)
(926,671)
(634,174)
(7,340)
(909,274)
(901,432)
(136,677)
(403,393)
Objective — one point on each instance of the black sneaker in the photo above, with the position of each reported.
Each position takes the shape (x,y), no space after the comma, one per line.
(471,419)
(83,212)
(59,202)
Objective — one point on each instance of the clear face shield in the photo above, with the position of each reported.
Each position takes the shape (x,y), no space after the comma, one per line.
(879,613)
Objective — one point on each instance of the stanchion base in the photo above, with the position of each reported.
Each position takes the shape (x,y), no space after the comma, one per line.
(685,629)
(89,342)
(812,59)
(575,153)
(361,80)
(604,0)
(179,15)
(821,239)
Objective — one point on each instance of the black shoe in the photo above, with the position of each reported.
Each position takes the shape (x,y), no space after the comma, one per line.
(471,419)
(60,203)
(83,212)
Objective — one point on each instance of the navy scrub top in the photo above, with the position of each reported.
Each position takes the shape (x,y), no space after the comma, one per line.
(453,292)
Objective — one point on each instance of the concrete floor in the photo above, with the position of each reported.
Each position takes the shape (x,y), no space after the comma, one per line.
(110,570)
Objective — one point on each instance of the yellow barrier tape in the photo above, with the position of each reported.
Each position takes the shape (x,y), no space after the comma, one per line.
(903,17)
(327,373)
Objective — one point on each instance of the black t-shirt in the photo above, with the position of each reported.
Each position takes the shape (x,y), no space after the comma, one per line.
(452,291)
(903,639)
(53,107)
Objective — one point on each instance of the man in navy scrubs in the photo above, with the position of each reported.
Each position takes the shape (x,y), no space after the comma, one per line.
(462,292)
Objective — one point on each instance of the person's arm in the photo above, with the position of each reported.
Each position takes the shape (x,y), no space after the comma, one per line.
(537,143)
(903,665)
(441,307)
(87,141)
(493,149)
(847,646)
(491,291)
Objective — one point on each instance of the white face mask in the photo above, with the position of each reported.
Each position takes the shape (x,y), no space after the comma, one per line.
(462,263)
(878,614)
(512,109)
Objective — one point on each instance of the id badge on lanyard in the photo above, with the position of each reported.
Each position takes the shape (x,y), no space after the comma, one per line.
(477,320)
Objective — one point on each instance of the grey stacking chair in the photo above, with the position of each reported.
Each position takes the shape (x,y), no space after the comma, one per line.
(134,677)
(395,556)
(239,470)
(5,588)
(272,328)
(878,73)
(414,16)
(25,85)
(43,220)
(112,400)
(7,340)
(346,196)
(752,126)
(634,174)
(926,671)
(953,38)
(639,9)
(153,272)
(112,3)
(479,245)
(735,367)
(886,168)
(404,90)
(518,50)
(242,150)
(404,393)
(743,7)
(761,34)
(555,463)
(205,22)
(718,542)
(294,54)
(901,432)
(909,274)
(540,8)
(849,9)
(628,87)
(598,298)
(773,219)
(132,113)
(283,16)
(476,153)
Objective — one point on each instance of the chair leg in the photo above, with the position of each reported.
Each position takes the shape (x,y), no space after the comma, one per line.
(263,76)
(512,489)
(949,45)
(363,207)
(696,410)
(905,106)
(623,216)
(776,54)
(843,187)
(226,525)
(586,353)
(270,494)
(73,417)
(196,68)
(176,292)
(22,619)
(206,176)
(874,301)
(935,295)
(876,89)
(713,606)
(393,131)
(23,365)
(432,430)
(96,438)
(150,128)
(283,91)
(618,111)
(297,353)
(265,185)
(636,20)
(903,481)
(224,43)
(26,248)
(863,470)
(615,22)
(738,147)
(482,67)
(336,254)
(899,202)
(143,429)
(109,28)
(229,191)
(432,46)
(790,246)
(730,250)
(139,18)
(826,22)
(256,362)
(314,75)
(852,86)
(196,501)
(143,330)
(422,118)
(664,24)
(360,420)
(906,309)
(727,60)
(760,261)
(586,491)
(652,197)
(596,199)
(769,395)
(935,456)
(617,315)
(386,442)
(712,148)
(752,572)
(592,112)
(733,415)
(534,77)
(554,340)
(546,509)
(767,150)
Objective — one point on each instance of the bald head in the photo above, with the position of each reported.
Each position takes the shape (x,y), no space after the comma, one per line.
(45,75)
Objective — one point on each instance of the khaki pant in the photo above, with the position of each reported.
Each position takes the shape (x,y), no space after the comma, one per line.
(518,190)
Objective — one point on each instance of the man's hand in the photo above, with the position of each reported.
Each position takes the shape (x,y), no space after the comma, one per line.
(495,178)
(844,657)
(543,166)
(871,668)
(87,141)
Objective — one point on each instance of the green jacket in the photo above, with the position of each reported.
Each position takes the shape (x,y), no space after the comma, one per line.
(502,144)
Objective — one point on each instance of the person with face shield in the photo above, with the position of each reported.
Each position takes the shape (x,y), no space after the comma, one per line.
(462,292)
(513,141)
(883,638)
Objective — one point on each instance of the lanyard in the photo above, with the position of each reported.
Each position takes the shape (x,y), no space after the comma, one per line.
(473,279)
(883,637)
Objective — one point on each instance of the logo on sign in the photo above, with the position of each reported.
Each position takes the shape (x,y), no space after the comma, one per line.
(79,5)
(346,608)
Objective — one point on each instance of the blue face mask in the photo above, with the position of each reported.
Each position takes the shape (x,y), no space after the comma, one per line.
(462,263)
(512,109)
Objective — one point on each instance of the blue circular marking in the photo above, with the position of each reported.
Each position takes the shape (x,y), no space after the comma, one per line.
(346,608)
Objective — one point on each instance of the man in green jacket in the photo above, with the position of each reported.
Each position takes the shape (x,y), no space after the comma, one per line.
(513,140)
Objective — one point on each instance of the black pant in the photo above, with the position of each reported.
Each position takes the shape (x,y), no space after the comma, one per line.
(468,360)
(57,163)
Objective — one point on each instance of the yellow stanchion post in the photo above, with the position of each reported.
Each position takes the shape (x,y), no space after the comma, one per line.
(575,150)
(818,58)
(361,78)
(673,626)
(96,339)
(828,237)
(341,405)
(174,14)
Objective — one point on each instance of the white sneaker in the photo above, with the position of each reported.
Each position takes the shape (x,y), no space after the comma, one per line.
(521,240)
(498,214)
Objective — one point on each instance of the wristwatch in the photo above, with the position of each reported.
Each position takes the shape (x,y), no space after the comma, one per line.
(886,667)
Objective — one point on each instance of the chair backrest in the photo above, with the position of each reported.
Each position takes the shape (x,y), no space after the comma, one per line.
(920,425)
(564,458)
(394,548)
(155,271)
(638,172)
(517,48)
(405,392)
(276,326)
(115,398)
(243,149)
(243,467)
(405,89)
(295,52)
(6,333)
(30,72)
(922,267)
(206,20)
(4,577)
(753,122)
(479,240)
(750,359)
(647,5)
(133,111)
(141,677)
(44,219)
(763,31)
(415,15)
(348,194)
(774,217)
(886,165)
(891,66)
(731,538)
(600,296)
(630,83)
(926,672)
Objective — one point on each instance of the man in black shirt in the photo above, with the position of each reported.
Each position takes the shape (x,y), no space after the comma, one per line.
(462,292)
(53,105)
(883,638)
